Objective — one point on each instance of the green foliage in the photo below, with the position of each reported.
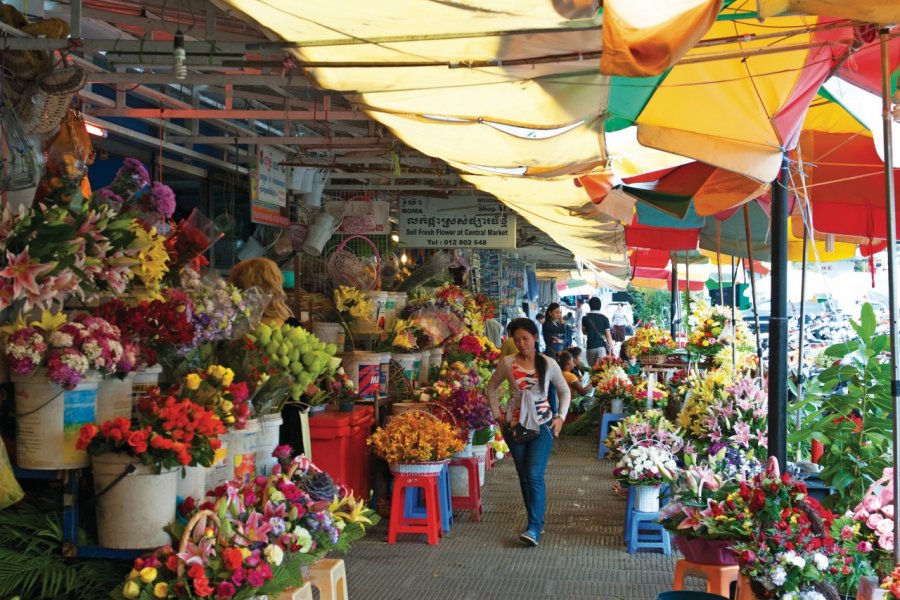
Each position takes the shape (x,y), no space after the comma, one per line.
(650,304)
(31,561)
(856,451)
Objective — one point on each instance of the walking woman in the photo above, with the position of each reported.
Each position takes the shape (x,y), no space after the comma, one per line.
(554,331)
(530,376)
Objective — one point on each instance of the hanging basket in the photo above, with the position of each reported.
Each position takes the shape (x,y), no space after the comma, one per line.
(44,104)
(432,468)
(346,268)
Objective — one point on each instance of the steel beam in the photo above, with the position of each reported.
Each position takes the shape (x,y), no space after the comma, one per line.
(293,79)
(272,114)
(305,141)
(396,188)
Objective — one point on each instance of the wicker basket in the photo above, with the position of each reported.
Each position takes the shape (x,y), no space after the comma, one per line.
(44,103)
(432,468)
(346,268)
(652,359)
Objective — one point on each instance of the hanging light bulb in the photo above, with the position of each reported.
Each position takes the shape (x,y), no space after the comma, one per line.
(179,56)
(404,258)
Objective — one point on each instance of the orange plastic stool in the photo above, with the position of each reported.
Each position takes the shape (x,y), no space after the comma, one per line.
(718,577)
(472,502)
(431,524)
(330,577)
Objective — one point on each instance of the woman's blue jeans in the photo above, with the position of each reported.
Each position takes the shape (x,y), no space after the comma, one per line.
(531,463)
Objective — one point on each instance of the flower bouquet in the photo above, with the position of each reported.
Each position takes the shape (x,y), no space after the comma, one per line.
(192,237)
(645,428)
(660,395)
(158,328)
(607,367)
(613,389)
(219,310)
(67,349)
(730,413)
(466,408)
(650,345)
(650,465)
(215,389)
(415,437)
(712,329)
(341,389)
(790,552)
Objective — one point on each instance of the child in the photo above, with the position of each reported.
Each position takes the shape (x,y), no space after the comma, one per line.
(631,365)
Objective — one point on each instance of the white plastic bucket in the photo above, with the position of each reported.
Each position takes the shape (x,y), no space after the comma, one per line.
(407,362)
(242,451)
(384,377)
(378,302)
(132,512)
(48,420)
(142,381)
(481,453)
(320,231)
(364,369)
(266,442)
(221,470)
(424,366)
(646,498)
(617,406)
(114,398)
(437,356)
(330,333)
(193,484)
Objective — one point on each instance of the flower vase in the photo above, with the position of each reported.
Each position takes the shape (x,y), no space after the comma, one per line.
(870,590)
(617,406)
(646,498)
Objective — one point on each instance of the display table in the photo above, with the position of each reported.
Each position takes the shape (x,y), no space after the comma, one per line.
(339,445)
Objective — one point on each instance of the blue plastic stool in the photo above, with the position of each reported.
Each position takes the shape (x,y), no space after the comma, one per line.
(689,596)
(629,507)
(414,507)
(647,534)
(605,422)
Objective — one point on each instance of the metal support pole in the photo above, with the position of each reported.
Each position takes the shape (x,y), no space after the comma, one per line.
(673,303)
(778,320)
(719,257)
(887,118)
(734,268)
(801,377)
(753,284)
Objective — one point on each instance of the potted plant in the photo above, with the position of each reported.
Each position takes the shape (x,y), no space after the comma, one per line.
(341,389)
(136,463)
(646,468)
(415,442)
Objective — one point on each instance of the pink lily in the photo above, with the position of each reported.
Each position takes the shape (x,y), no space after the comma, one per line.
(23,271)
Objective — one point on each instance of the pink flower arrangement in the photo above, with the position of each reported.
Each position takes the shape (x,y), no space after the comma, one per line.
(68,349)
(869,533)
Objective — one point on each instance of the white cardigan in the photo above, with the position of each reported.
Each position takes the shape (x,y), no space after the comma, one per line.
(504,371)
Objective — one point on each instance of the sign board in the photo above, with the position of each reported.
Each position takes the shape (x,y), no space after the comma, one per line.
(456,222)
(361,217)
(268,187)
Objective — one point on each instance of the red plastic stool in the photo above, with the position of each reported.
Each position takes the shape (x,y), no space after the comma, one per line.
(718,577)
(431,524)
(489,458)
(472,502)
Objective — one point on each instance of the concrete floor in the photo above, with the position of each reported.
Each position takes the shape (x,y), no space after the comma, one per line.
(581,556)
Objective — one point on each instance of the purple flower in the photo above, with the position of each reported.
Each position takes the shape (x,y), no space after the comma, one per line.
(159,200)
(110,198)
(136,171)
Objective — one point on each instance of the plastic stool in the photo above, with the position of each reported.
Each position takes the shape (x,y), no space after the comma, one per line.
(330,577)
(301,593)
(400,523)
(718,577)
(472,502)
(414,507)
(605,422)
(489,458)
(647,534)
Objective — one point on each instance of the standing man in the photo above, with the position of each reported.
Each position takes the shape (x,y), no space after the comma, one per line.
(597,329)
(581,309)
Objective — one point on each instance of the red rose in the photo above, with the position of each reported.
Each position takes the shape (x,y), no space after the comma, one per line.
(138,441)
(202,588)
(232,558)
(85,435)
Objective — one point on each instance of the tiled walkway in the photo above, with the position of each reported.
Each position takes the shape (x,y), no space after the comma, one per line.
(582,555)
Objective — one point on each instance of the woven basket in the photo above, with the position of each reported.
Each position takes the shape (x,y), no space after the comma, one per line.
(43,105)
(421,468)
(346,268)
(652,359)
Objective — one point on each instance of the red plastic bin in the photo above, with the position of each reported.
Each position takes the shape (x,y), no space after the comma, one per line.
(339,445)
